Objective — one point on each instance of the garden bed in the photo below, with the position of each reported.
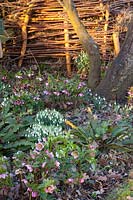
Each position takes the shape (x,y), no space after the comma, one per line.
(60,141)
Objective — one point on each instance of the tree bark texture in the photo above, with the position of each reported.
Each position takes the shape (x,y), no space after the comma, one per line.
(86,41)
(120,76)
(1,51)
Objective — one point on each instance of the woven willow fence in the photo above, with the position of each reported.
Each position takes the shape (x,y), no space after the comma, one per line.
(40,29)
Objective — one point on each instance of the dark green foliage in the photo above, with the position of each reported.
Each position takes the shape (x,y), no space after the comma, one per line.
(44,148)
(13,124)
(13,133)
(5,171)
(106,135)
(82,63)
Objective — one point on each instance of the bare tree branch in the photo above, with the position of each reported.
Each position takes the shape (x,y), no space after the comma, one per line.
(61,3)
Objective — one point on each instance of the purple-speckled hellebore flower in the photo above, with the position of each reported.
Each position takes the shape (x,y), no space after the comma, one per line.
(34,194)
(56,93)
(29,167)
(39,146)
(3,176)
(80,95)
(81,84)
(65,92)
(45,92)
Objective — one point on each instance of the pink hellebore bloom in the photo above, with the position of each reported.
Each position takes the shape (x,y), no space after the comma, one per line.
(4,78)
(56,93)
(81,84)
(70,180)
(118,118)
(34,194)
(18,102)
(81,180)
(39,146)
(3,176)
(44,140)
(45,92)
(92,147)
(46,84)
(80,95)
(29,167)
(57,164)
(23,164)
(44,164)
(85,177)
(29,189)
(50,189)
(65,92)
(49,154)
(33,155)
(24,181)
(36,152)
(66,81)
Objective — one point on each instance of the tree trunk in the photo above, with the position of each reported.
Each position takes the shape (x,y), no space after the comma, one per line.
(86,41)
(120,76)
(1,51)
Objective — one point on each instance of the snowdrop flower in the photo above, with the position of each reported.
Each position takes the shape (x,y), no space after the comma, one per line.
(69,103)
(19,77)
(30,75)
(36,98)
(39,78)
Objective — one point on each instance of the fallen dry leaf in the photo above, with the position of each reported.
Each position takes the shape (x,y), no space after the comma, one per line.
(102,178)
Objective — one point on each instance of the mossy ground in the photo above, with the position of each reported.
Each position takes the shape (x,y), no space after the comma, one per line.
(123,192)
